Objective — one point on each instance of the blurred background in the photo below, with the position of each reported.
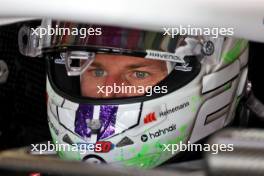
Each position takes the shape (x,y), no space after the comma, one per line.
(22,97)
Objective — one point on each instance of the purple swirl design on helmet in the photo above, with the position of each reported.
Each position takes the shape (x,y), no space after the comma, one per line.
(83,113)
(107,119)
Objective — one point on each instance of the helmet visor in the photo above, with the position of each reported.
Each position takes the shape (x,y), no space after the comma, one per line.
(113,62)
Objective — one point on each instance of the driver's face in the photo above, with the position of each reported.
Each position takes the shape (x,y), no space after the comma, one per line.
(121,70)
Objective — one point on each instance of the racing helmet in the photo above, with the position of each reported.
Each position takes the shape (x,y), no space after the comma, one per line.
(123,94)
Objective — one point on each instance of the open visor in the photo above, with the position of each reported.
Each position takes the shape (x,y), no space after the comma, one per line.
(95,61)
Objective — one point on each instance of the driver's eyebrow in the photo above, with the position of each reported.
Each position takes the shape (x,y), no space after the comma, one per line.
(134,66)
(96,64)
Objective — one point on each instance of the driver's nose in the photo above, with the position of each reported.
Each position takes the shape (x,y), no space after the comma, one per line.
(113,86)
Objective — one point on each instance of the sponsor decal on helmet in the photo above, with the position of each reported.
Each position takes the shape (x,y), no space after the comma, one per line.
(158,133)
(159,55)
(150,118)
(174,109)
(208,48)
(53,128)
(60,60)
(144,138)
(183,67)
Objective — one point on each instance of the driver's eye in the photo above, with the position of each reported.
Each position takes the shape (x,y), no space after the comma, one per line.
(141,74)
(99,72)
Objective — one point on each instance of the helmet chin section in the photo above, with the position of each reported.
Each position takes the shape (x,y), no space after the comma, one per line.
(141,130)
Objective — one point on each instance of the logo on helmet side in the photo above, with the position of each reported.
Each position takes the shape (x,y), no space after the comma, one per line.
(174,109)
(158,133)
(166,56)
(150,118)
(144,138)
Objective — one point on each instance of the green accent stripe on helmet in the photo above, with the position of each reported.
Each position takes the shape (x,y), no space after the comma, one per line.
(235,52)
